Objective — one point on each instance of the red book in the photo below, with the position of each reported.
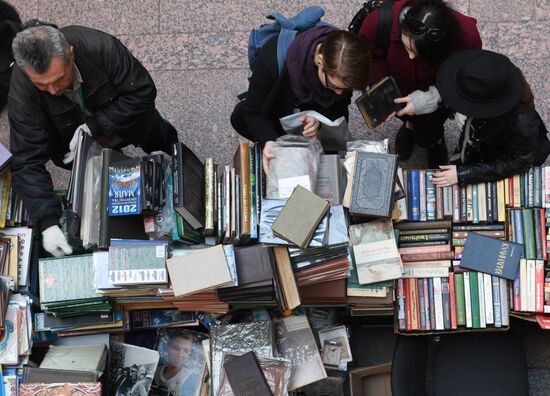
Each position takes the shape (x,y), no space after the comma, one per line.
(543,233)
(453,299)
(539,286)
(456,204)
(425,249)
(427,303)
(439,203)
(407,258)
(407,292)
(511,191)
(416,301)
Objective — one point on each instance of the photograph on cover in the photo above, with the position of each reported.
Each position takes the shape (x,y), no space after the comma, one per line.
(182,363)
(131,369)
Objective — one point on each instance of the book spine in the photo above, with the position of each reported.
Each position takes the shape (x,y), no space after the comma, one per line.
(419,244)
(494,191)
(432,302)
(220,199)
(446,298)
(464,234)
(422,316)
(415,307)
(438,300)
(422,189)
(463,204)
(504,307)
(443,236)
(439,203)
(546,187)
(448,202)
(424,249)
(253,192)
(531,187)
(227,212)
(456,203)
(523,284)
(531,285)
(424,272)
(415,195)
(489,190)
(507,192)
(481,294)
(452,299)
(469,203)
(537,233)
(259,178)
(474,294)
(208,196)
(427,256)
(517,226)
(488,295)
(516,184)
(482,202)
(539,286)
(478,227)
(475,204)
(542,219)
(468,300)
(459,299)
(401,312)
(427,303)
(496,301)
(516,291)
(528,234)
(244,183)
(408,311)
(537,170)
(431,198)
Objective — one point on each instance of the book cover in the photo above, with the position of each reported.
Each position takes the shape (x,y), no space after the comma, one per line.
(497,311)
(242,168)
(414,194)
(125,188)
(65,389)
(459,299)
(134,265)
(491,255)
(504,304)
(420,296)
(329,178)
(373,169)
(474,296)
(131,369)
(377,103)
(246,377)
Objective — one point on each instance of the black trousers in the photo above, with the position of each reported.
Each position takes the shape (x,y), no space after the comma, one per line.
(428,128)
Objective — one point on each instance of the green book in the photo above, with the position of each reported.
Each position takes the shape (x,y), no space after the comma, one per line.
(529,234)
(474,297)
(300,217)
(459,300)
(135,265)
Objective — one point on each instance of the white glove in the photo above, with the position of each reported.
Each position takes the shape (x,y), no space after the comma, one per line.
(69,157)
(54,242)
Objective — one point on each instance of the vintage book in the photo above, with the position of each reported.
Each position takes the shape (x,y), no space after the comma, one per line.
(377,103)
(24,235)
(488,295)
(254,218)
(338,336)
(135,265)
(246,377)
(474,300)
(157,318)
(209,196)
(414,194)
(126,358)
(481,294)
(329,179)
(375,251)
(36,375)
(491,255)
(242,168)
(204,269)
(497,310)
(423,201)
(452,299)
(373,184)
(306,206)
(504,302)
(290,167)
(9,337)
(467,299)
(188,185)
(295,342)
(79,357)
(430,196)
(291,296)
(65,389)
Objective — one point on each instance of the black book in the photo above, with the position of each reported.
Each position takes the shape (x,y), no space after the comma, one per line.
(35,375)
(188,185)
(446,297)
(246,377)
(463,206)
(495,201)
(377,103)
(489,201)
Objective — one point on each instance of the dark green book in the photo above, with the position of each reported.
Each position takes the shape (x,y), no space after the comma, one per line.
(459,300)
(529,234)
(300,217)
(474,298)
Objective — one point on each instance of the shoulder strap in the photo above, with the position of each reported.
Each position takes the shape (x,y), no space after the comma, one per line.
(383,27)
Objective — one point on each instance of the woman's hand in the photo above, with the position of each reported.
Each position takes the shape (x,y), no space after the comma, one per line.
(407,110)
(267,156)
(311,126)
(446,177)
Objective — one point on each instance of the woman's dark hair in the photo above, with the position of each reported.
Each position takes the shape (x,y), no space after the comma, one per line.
(432,27)
(346,56)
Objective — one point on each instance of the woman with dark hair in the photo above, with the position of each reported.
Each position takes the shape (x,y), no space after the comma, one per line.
(323,66)
(502,133)
(423,34)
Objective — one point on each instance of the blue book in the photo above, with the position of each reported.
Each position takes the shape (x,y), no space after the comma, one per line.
(491,255)
(430,197)
(517,226)
(432,302)
(475,204)
(497,312)
(125,188)
(414,177)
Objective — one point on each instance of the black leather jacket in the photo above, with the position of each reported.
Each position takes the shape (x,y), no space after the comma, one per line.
(118,92)
(503,146)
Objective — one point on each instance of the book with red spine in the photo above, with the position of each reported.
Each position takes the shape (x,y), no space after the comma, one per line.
(539,286)
(453,300)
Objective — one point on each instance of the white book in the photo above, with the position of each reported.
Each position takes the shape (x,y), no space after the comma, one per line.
(25,246)
(523,284)
(438,303)
(481,295)
(488,287)
(482,201)
(467,299)
(422,183)
(543,187)
(531,285)
(504,307)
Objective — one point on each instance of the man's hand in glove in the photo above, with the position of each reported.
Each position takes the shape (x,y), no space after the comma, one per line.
(54,242)
(69,157)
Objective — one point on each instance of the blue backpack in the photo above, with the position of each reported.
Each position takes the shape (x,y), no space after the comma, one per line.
(286,29)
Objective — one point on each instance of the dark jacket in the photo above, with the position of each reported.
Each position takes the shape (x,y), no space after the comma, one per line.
(118,92)
(503,146)
(410,74)
(270,97)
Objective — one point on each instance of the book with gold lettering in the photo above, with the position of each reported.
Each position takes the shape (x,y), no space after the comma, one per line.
(491,255)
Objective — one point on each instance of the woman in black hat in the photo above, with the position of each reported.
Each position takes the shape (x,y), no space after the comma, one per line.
(502,133)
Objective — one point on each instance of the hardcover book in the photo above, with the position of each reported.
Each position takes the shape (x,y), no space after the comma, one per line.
(36,375)
(377,103)
(246,377)
(373,184)
(329,179)
(492,256)
(125,185)
(131,369)
(303,205)
(188,185)
(134,265)
(65,389)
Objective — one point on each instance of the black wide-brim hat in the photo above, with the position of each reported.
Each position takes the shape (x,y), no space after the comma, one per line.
(479,83)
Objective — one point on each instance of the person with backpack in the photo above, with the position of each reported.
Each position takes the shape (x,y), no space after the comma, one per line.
(502,133)
(322,66)
(423,34)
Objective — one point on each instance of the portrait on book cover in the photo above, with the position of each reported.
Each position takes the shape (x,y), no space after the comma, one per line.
(182,363)
(131,369)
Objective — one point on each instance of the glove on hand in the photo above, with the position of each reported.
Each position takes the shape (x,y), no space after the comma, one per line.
(69,157)
(54,242)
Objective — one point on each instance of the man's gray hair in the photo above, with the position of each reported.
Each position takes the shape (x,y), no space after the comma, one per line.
(35,47)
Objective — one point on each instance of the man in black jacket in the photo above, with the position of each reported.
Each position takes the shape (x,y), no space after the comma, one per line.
(68,79)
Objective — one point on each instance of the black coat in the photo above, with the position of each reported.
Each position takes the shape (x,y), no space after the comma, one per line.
(270,97)
(504,146)
(117,90)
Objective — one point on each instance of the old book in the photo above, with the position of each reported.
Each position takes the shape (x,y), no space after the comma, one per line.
(188,185)
(373,184)
(209,196)
(295,342)
(61,388)
(246,377)
(291,296)
(36,375)
(492,256)
(337,336)
(137,265)
(24,235)
(377,103)
(140,363)
(375,251)
(329,179)
(204,269)
(157,318)
(303,205)
(242,168)
(81,358)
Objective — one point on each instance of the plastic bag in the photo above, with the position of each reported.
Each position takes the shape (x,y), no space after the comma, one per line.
(296,162)
(165,221)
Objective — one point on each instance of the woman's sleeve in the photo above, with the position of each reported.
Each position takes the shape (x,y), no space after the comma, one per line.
(367,32)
